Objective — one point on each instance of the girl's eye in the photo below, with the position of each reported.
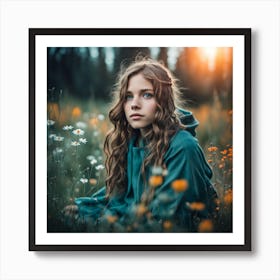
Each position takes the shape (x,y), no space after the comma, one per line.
(147,95)
(128,97)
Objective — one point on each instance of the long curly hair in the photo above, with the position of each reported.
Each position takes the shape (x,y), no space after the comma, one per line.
(157,135)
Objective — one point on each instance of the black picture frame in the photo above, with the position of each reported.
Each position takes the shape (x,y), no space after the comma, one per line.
(245,44)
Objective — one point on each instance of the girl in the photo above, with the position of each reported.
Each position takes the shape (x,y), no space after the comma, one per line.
(157,176)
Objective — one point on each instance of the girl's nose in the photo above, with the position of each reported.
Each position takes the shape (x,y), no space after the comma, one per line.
(134,107)
(135,104)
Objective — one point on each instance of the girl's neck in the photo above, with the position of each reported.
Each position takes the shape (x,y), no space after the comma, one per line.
(139,141)
(141,136)
(143,132)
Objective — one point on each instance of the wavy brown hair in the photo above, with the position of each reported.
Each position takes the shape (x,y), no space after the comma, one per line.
(157,135)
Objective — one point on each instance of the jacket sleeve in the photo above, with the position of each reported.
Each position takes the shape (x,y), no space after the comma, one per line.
(93,205)
(98,204)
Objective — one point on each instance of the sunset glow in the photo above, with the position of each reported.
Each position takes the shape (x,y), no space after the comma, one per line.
(209,54)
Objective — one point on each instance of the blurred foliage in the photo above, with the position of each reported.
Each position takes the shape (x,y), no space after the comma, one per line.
(89,73)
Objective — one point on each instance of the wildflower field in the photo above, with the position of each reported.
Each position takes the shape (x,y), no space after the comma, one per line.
(76,131)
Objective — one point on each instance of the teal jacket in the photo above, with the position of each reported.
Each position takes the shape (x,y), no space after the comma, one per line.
(185,160)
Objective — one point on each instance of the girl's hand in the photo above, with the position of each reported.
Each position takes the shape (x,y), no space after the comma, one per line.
(70,210)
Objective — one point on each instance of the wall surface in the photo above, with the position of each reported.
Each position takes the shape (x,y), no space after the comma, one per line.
(16,262)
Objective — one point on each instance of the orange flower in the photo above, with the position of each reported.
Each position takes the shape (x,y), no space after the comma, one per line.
(230,152)
(93,121)
(224,152)
(155,180)
(212,149)
(92,181)
(180,185)
(217,201)
(205,226)
(141,209)
(228,197)
(196,206)
(167,225)
(111,219)
(76,112)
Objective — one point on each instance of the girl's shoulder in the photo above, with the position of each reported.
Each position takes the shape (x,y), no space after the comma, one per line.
(183,139)
(185,146)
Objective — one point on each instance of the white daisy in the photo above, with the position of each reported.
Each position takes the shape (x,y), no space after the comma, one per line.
(90,157)
(78,131)
(52,136)
(81,125)
(99,167)
(50,122)
(57,151)
(67,127)
(157,170)
(58,138)
(164,172)
(84,180)
(93,161)
(101,117)
(75,143)
(83,140)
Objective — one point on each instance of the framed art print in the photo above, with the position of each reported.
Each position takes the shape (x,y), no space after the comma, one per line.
(80,90)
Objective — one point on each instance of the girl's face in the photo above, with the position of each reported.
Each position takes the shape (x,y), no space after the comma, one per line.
(140,105)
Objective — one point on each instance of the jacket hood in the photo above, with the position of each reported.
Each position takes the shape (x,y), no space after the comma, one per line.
(187,118)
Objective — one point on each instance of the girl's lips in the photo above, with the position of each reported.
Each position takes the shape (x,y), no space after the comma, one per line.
(136,116)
